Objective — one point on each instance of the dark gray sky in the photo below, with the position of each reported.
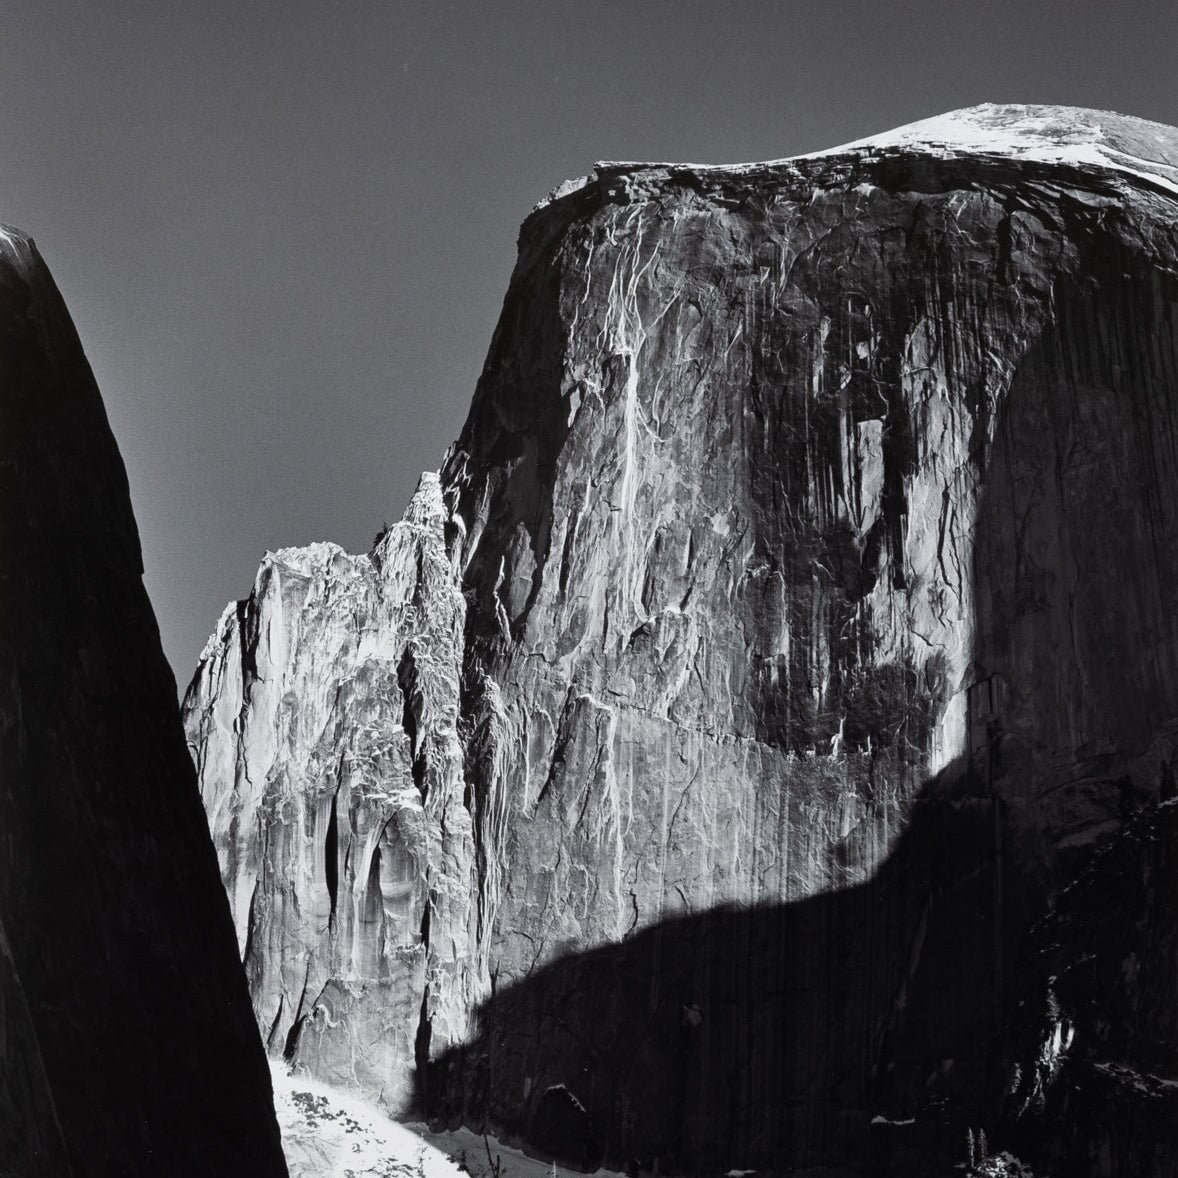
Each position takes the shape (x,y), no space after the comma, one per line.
(285,229)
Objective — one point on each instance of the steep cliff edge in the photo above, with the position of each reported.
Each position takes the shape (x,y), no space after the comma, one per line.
(126,1044)
(702,771)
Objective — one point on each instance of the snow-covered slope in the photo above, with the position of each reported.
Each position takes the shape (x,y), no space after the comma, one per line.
(330,1133)
(1137,149)
(327,1133)
(1042,134)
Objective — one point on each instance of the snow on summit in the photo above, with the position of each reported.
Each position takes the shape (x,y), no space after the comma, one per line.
(1066,135)
(1044,134)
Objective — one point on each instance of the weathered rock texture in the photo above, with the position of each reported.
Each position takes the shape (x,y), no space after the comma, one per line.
(126,1043)
(732,760)
(332,770)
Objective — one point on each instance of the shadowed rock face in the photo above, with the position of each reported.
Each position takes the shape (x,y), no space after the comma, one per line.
(126,1044)
(790,628)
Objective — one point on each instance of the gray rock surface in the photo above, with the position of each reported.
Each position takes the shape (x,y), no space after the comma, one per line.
(126,1043)
(327,747)
(790,628)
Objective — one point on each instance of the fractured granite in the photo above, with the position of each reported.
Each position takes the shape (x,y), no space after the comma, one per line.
(689,779)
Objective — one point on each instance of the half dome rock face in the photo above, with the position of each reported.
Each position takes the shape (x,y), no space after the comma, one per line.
(748,715)
(126,1044)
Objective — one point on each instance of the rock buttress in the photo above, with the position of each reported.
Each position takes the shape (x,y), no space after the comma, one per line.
(127,1044)
(324,722)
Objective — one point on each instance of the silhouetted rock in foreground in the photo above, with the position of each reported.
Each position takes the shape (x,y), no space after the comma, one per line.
(126,1043)
(743,754)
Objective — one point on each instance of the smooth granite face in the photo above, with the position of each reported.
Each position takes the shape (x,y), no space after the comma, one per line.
(752,750)
(126,1044)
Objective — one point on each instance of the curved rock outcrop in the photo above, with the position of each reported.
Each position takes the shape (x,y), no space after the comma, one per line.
(126,1043)
(790,629)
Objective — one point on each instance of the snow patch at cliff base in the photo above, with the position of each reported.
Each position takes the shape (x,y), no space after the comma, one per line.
(328,1133)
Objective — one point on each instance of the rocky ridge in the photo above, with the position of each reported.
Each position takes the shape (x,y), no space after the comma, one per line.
(699,774)
(126,1042)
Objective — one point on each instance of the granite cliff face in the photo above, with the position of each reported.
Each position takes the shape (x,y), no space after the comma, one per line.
(332,770)
(126,1043)
(733,757)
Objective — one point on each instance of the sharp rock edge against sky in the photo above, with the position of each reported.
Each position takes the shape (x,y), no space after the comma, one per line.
(284,230)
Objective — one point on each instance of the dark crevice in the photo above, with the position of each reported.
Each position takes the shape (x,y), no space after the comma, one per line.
(292,1038)
(247,631)
(273,1032)
(421,1048)
(421,1043)
(373,891)
(331,855)
(566,555)
(291,1046)
(411,716)
(247,952)
(406,680)
(541,550)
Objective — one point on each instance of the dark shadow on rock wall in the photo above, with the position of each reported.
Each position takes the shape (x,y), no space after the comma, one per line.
(862,1032)
(1012,964)
(763,1038)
